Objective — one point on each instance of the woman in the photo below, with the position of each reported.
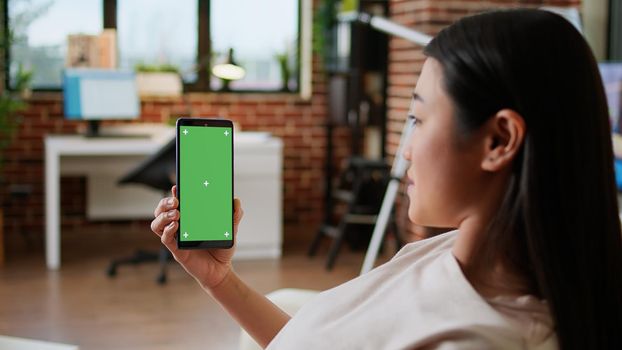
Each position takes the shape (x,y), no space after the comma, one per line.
(512,147)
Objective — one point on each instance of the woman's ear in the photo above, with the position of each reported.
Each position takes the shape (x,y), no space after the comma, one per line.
(504,137)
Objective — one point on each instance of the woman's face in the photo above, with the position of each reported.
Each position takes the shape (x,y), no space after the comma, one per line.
(444,173)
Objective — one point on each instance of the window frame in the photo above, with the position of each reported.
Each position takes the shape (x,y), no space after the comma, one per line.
(614,32)
(202,84)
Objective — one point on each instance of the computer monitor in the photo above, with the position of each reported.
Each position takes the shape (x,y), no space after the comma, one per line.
(98,94)
(611,73)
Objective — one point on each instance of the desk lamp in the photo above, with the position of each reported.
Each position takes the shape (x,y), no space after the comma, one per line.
(228,71)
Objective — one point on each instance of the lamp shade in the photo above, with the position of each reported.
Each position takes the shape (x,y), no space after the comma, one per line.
(229,70)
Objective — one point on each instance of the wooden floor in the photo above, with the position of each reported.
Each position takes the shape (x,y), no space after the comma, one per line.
(80,305)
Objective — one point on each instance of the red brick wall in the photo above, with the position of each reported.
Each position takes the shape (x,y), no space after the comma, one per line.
(299,123)
(406,59)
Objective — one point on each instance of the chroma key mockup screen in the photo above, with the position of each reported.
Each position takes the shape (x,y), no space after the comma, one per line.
(205,183)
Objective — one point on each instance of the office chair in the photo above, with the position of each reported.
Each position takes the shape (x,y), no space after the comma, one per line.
(156,172)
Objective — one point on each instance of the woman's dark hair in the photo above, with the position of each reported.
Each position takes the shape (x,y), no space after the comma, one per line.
(558,222)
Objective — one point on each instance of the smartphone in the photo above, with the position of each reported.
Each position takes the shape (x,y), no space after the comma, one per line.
(204,148)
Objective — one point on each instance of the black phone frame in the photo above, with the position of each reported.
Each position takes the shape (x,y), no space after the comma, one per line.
(205,122)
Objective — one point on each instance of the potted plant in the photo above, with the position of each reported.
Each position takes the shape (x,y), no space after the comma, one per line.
(158,80)
(11,102)
(283,60)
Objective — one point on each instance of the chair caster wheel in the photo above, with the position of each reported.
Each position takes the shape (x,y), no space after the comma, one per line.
(112,270)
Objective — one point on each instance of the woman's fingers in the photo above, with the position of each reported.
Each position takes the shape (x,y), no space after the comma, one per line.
(162,205)
(168,236)
(165,204)
(164,213)
(163,219)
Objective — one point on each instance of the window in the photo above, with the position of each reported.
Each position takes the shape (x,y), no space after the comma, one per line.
(615,31)
(264,38)
(191,35)
(40,29)
(152,32)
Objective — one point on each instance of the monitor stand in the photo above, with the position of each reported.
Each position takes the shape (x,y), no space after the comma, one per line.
(92,128)
(93,131)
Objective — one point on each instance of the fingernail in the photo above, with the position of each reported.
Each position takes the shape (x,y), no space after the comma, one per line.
(171,214)
(171,201)
(171,224)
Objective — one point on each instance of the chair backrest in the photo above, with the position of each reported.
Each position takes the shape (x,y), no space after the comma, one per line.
(157,171)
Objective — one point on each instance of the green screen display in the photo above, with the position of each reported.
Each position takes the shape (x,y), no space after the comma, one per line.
(205,183)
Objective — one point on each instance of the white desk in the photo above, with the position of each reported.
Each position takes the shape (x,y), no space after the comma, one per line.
(257,181)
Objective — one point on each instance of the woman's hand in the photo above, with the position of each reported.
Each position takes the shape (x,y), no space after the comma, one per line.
(209,267)
(212,269)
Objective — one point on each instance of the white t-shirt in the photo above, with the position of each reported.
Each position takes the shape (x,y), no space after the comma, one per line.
(418,300)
